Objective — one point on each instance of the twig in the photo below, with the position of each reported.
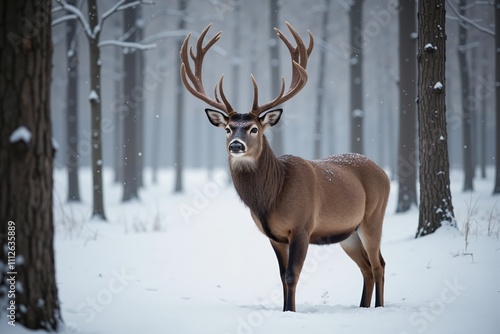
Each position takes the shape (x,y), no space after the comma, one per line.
(468,21)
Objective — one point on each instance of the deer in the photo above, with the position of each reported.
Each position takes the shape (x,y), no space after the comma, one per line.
(296,202)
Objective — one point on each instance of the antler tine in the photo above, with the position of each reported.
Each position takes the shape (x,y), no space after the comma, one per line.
(193,81)
(299,55)
(230,109)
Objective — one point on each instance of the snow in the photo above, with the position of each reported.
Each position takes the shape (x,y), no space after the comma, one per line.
(20,134)
(93,96)
(153,269)
(438,86)
(357,113)
(429,47)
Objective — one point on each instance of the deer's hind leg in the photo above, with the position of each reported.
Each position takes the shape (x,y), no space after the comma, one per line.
(370,233)
(356,251)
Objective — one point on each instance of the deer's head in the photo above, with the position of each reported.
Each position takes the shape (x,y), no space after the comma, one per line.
(245,131)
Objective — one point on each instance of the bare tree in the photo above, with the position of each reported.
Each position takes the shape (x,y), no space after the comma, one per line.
(117,112)
(320,88)
(356,75)
(496,190)
(482,118)
(95,110)
(435,197)
(28,283)
(465,22)
(407,164)
(72,156)
(467,147)
(92,26)
(277,131)
(179,114)
(131,120)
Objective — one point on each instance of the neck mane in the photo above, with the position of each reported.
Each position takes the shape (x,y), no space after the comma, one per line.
(259,187)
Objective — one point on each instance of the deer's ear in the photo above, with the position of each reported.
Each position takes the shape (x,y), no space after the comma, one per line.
(217,118)
(271,118)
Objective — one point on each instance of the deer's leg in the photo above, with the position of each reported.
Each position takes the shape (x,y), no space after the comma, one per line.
(299,242)
(281,251)
(370,237)
(354,248)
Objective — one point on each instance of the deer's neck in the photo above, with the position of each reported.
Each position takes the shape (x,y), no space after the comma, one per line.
(259,188)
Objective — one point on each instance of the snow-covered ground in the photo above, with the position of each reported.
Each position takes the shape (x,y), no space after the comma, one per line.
(196,263)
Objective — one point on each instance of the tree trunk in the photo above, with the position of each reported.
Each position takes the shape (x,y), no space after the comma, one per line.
(320,91)
(130,120)
(436,205)
(407,158)
(277,130)
(468,165)
(139,36)
(482,121)
(95,107)
(117,112)
(72,155)
(28,287)
(356,75)
(496,190)
(158,111)
(179,121)
(236,60)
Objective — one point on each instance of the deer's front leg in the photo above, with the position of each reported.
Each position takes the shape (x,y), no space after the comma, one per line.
(281,251)
(299,242)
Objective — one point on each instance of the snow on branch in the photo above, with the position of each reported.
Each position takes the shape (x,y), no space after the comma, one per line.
(123,44)
(469,21)
(64,19)
(119,6)
(78,13)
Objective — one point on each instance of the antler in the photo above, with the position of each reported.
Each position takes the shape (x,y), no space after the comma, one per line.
(195,84)
(299,56)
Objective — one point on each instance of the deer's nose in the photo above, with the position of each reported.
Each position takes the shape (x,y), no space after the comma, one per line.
(236,146)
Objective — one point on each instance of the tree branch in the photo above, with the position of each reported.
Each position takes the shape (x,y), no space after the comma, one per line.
(131,45)
(468,21)
(64,19)
(119,6)
(78,13)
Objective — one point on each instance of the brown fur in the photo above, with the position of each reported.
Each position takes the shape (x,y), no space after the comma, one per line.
(295,202)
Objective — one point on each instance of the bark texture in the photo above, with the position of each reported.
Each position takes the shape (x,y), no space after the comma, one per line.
(435,197)
(26,163)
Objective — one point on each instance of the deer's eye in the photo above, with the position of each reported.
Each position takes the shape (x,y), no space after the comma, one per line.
(228,130)
(254,130)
